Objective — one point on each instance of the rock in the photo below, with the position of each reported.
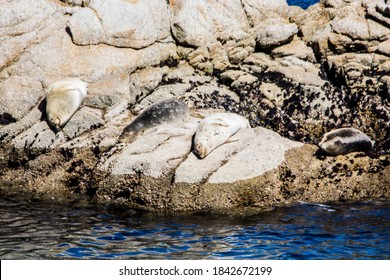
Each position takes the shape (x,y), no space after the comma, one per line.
(39,137)
(232,75)
(82,3)
(200,58)
(313,22)
(18,95)
(10,131)
(348,62)
(180,72)
(260,61)
(83,120)
(144,81)
(384,48)
(219,57)
(167,147)
(375,10)
(54,58)
(196,23)
(377,30)
(352,26)
(255,160)
(259,10)
(333,3)
(237,51)
(299,71)
(244,80)
(273,93)
(86,28)
(296,48)
(98,23)
(272,35)
(256,152)
(22,26)
(383,9)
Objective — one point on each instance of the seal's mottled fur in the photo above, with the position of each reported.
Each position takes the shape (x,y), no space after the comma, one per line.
(215,130)
(345,140)
(166,111)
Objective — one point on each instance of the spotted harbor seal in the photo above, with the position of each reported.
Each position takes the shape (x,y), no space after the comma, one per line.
(215,130)
(345,140)
(63,99)
(165,111)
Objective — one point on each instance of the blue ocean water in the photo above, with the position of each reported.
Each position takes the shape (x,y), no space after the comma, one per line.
(302,3)
(36,230)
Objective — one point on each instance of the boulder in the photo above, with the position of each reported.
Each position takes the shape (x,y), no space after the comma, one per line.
(296,48)
(18,95)
(270,34)
(255,152)
(198,22)
(98,23)
(23,25)
(378,10)
(352,26)
(144,81)
(259,10)
(384,48)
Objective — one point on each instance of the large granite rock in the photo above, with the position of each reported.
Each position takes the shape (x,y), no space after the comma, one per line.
(98,23)
(272,34)
(198,22)
(295,74)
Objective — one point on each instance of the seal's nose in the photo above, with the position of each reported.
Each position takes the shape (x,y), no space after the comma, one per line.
(200,150)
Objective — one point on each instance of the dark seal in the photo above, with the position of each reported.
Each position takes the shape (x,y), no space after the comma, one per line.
(344,141)
(166,111)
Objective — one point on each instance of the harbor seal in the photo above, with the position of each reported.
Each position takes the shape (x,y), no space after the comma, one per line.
(165,111)
(342,141)
(215,130)
(63,99)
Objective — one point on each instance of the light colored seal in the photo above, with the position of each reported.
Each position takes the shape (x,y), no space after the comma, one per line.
(165,111)
(215,130)
(63,99)
(345,140)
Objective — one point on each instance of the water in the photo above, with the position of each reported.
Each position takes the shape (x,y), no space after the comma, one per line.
(302,3)
(37,230)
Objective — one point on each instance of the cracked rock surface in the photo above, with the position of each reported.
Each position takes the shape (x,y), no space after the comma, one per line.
(294,73)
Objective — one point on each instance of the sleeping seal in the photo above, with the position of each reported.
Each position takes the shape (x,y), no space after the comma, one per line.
(63,99)
(345,140)
(166,111)
(215,130)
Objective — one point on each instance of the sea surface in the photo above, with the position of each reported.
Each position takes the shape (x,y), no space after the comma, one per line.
(35,230)
(302,3)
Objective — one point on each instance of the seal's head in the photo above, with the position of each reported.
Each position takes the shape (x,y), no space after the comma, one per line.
(201,148)
(54,121)
(334,146)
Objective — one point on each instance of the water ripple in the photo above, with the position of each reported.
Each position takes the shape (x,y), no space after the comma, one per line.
(40,231)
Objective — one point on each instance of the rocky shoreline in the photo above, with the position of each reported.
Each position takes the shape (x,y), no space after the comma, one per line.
(295,74)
